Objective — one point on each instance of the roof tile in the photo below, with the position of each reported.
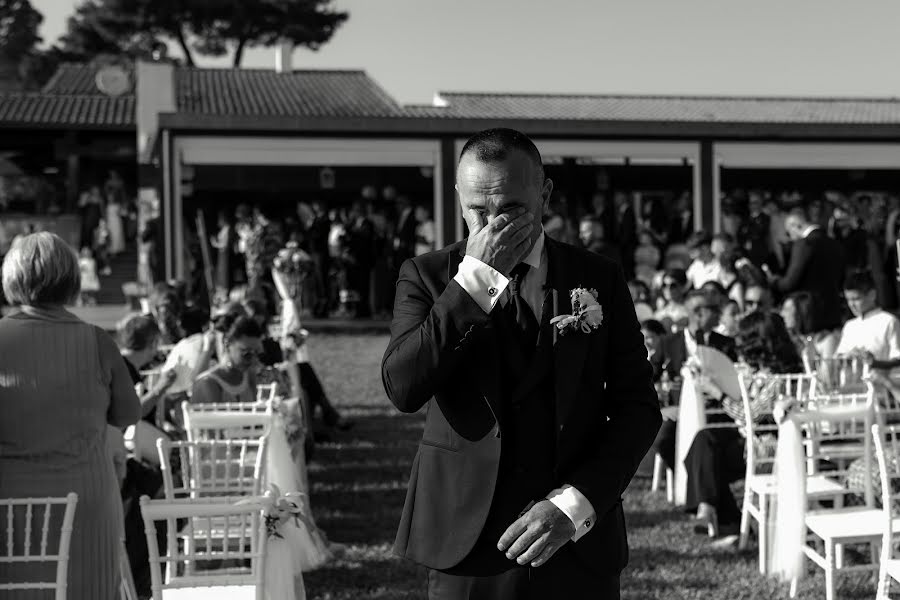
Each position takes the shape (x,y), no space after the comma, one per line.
(80,110)
(256,92)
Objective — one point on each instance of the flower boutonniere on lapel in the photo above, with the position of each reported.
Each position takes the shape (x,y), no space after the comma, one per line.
(587,314)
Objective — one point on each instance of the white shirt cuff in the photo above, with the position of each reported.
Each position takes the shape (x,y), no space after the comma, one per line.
(575,506)
(481,281)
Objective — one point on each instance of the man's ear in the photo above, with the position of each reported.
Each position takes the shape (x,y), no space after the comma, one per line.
(546,191)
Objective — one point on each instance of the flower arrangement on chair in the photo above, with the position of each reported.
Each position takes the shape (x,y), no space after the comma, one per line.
(290,268)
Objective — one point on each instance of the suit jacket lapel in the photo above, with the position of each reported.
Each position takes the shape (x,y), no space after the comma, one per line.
(570,350)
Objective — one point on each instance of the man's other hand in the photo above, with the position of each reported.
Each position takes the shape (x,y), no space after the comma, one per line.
(536,536)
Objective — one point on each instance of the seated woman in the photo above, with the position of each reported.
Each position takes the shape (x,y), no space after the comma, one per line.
(233,380)
(803,316)
(716,456)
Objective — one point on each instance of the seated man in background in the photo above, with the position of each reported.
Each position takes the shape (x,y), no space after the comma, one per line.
(757,298)
(703,318)
(872,331)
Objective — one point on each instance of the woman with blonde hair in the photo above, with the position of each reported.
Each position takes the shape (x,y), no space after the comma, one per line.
(62,381)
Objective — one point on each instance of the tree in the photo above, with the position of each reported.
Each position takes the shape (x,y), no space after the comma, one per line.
(204,27)
(19,23)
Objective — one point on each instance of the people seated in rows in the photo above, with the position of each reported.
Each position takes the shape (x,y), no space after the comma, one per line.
(716,456)
(233,379)
(872,330)
(757,299)
(803,316)
(729,319)
(139,344)
(654,333)
(673,313)
(703,318)
(704,266)
(640,296)
(678,347)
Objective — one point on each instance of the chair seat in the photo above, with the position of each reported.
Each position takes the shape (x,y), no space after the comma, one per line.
(847,523)
(816,485)
(219,592)
(893,569)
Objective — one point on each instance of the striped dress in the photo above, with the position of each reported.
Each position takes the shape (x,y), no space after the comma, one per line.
(61,382)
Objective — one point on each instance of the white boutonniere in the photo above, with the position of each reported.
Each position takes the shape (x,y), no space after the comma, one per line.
(587,314)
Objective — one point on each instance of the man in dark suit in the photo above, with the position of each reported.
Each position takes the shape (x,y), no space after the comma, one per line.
(531,434)
(817,266)
(703,317)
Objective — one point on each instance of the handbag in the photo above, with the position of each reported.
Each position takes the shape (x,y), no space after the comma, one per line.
(142,437)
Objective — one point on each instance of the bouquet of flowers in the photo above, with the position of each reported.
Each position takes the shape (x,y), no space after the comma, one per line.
(293,266)
(290,268)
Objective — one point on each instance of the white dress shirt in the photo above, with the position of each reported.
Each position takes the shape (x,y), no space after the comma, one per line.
(877,332)
(486,286)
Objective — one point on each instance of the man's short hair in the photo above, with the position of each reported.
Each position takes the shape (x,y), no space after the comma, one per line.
(137,332)
(859,281)
(698,239)
(494,145)
(654,326)
(723,237)
(41,269)
(702,296)
(679,275)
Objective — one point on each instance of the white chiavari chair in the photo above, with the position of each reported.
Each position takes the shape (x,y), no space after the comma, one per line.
(845,374)
(202,424)
(222,552)
(266,392)
(830,451)
(211,468)
(38,537)
(760,433)
(887,452)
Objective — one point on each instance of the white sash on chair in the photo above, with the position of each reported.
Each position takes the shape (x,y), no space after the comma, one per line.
(691,419)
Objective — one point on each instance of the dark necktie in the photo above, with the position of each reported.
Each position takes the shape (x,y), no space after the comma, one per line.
(518,310)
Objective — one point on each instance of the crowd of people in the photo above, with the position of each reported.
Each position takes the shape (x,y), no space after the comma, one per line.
(98,386)
(356,250)
(726,294)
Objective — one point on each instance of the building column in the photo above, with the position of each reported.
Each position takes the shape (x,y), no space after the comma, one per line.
(708,188)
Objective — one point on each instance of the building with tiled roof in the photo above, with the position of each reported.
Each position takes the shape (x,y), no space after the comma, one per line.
(196,136)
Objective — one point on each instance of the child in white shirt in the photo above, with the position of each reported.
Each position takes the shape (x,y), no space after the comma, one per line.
(90,282)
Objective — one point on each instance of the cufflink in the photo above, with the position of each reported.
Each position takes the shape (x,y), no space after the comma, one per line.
(492,292)
(587,523)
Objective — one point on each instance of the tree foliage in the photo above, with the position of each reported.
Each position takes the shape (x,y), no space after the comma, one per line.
(19,22)
(199,27)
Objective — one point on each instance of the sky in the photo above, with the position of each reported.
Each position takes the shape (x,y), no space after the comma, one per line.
(415,48)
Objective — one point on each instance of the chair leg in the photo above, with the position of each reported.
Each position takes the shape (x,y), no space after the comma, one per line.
(745,518)
(763,538)
(829,570)
(839,556)
(670,486)
(657,472)
(794,585)
(875,552)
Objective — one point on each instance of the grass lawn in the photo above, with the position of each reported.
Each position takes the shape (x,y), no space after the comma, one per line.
(358,486)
